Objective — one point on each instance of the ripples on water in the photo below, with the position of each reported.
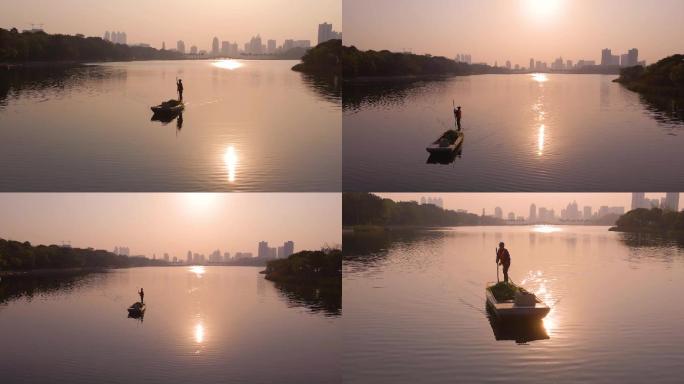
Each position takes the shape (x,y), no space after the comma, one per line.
(522,133)
(415,307)
(89,128)
(202,324)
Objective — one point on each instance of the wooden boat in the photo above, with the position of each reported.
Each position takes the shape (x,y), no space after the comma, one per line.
(137,309)
(170,107)
(525,305)
(447,143)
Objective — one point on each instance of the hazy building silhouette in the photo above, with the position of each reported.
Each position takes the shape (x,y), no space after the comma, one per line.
(193,50)
(180,46)
(498,213)
(671,201)
(288,248)
(587,213)
(271,47)
(215,46)
(533,213)
(325,33)
(262,250)
(639,200)
(532,64)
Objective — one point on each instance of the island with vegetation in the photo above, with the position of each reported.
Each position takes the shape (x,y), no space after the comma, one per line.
(664,78)
(322,267)
(39,47)
(323,59)
(21,257)
(366,211)
(655,220)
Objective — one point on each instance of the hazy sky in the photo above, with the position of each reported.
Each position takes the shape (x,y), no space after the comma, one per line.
(195,21)
(173,223)
(519,203)
(517,30)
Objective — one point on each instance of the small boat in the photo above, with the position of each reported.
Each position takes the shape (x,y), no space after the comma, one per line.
(523,305)
(136,309)
(170,107)
(447,143)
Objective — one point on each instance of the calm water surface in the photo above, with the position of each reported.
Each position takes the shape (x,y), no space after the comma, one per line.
(247,126)
(414,307)
(202,325)
(522,133)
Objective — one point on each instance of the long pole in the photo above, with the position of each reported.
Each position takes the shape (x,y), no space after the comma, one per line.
(497,265)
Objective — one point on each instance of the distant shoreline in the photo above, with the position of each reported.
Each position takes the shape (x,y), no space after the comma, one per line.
(47,64)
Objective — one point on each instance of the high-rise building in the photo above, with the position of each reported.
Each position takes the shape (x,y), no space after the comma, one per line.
(325,33)
(606,57)
(587,213)
(639,200)
(532,64)
(633,57)
(508,64)
(263,249)
(671,201)
(215,46)
(288,248)
(533,213)
(511,216)
(271,47)
(107,36)
(180,46)
(498,213)
(281,253)
(193,50)
(225,48)
(189,258)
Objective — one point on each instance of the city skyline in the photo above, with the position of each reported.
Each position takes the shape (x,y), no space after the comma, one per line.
(173,223)
(176,20)
(497,30)
(519,203)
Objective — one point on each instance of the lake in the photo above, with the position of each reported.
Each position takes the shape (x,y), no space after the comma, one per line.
(202,325)
(247,126)
(414,307)
(540,132)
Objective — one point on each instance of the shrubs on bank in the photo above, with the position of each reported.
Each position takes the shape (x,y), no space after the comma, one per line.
(314,267)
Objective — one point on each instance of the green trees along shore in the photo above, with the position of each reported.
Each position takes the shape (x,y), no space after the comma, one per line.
(18,256)
(322,267)
(323,59)
(366,209)
(653,220)
(21,47)
(664,78)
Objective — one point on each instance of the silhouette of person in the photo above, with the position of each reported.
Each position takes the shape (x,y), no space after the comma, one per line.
(503,258)
(142,295)
(179,86)
(457,114)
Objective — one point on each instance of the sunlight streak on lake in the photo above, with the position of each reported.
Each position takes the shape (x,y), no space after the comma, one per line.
(230,158)
(540,77)
(228,64)
(545,229)
(198,270)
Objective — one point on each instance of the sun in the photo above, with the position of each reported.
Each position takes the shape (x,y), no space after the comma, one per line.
(542,9)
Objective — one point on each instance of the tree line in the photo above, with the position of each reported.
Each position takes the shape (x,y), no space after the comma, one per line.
(369,209)
(665,77)
(21,256)
(323,59)
(357,63)
(651,220)
(313,267)
(18,47)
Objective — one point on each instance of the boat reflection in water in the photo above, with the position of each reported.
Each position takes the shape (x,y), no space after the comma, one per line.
(521,331)
(165,119)
(446,158)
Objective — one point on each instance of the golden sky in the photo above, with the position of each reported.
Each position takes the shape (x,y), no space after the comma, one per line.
(150,223)
(196,21)
(517,30)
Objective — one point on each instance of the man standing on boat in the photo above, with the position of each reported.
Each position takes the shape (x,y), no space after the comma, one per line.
(503,258)
(142,295)
(179,86)
(457,115)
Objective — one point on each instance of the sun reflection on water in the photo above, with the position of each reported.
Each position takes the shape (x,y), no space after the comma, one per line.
(545,229)
(198,270)
(230,158)
(540,77)
(227,64)
(199,333)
